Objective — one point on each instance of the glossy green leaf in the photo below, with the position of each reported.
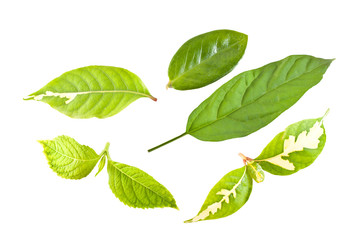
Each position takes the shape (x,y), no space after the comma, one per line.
(68,158)
(206,58)
(253,99)
(227,196)
(93,91)
(136,188)
(295,148)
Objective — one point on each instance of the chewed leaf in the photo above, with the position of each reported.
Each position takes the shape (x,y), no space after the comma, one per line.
(295,148)
(206,58)
(136,188)
(68,158)
(227,196)
(93,91)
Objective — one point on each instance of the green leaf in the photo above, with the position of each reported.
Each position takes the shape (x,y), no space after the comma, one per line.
(136,188)
(101,164)
(253,99)
(295,148)
(93,91)
(206,58)
(227,196)
(68,158)
(256,172)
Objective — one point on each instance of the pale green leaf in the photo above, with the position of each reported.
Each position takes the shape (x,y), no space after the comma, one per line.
(206,58)
(295,148)
(227,196)
(101,164)
(68,158)
(136,188)
(93,91)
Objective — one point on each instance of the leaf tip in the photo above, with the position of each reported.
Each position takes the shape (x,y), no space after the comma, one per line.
(28,98)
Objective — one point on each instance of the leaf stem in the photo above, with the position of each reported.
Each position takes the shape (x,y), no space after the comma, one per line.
(163,144)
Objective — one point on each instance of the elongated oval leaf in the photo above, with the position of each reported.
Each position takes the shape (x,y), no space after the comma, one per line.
(295,148)
(206,58)
(93,91)
(253,99)
(227,196)
(68,158)
(136,188)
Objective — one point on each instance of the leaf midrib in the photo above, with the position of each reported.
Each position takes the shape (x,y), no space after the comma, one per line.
(139,182)
(76,159)
(231,112)
(101,91)
(208,59)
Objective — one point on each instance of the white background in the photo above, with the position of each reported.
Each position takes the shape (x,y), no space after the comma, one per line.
(40,40)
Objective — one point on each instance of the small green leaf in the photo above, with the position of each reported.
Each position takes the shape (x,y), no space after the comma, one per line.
(93,91)
(136,188)
(295,148)
(227,196)
(206,58)
(68,158)
(101,164)
(256,172)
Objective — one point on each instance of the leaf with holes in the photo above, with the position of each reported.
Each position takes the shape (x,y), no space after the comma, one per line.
(227,196)
(68,158)
(136,188)
(93,91)
(206,58)
(295,148)
(253,99)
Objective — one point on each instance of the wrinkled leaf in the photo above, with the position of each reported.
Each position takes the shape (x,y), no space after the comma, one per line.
(253,99)
(295,148)
(68,158)
(93,91)
(227,196)
(206,58)
(136,188)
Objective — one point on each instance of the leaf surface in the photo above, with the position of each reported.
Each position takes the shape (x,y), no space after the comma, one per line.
(227,196)
(136,188)
(295,148)
(68,158)
(253,99)
(206,58)
(93,91)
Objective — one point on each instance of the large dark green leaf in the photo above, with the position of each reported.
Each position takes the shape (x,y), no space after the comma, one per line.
(253,99)
(93,91)
(206,58)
